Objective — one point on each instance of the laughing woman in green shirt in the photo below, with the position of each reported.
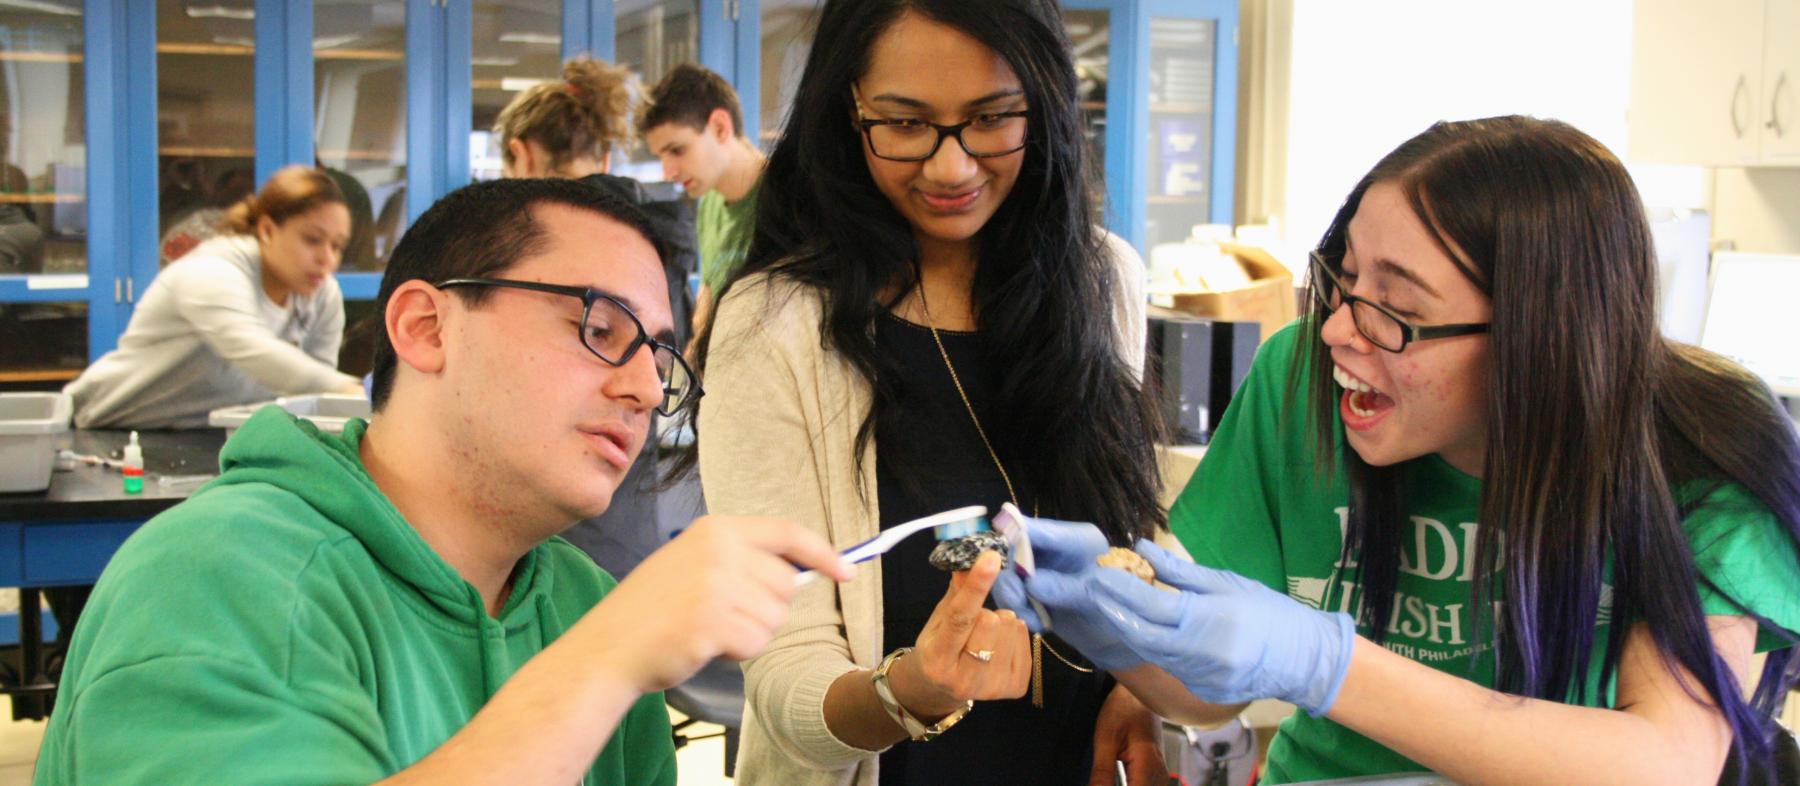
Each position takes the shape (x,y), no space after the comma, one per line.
(1473,514)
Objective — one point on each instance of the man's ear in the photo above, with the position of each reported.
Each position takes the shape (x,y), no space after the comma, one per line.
(415,325)
(718,124)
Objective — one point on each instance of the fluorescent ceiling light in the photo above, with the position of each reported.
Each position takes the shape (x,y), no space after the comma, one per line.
(235,40)
(514,84)
(41,6)
(220,12)
(530,38)
(330,41)
(494,61)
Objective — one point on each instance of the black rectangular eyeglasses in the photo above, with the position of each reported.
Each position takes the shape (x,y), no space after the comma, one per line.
(1375,322)
(614,334)
(987,135)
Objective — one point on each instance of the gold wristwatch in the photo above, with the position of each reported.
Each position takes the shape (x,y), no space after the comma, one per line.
(915,728)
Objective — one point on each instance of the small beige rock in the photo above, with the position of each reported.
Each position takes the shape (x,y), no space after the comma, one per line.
(1133,563)
(1128,561)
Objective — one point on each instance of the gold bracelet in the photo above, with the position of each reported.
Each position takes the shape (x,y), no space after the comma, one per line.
(914,728)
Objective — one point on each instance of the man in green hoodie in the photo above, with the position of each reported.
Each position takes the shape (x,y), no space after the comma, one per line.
(393,605)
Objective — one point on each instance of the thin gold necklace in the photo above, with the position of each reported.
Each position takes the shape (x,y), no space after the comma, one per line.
(1038,645)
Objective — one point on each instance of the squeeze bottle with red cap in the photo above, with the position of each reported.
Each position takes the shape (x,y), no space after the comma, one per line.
(134,466)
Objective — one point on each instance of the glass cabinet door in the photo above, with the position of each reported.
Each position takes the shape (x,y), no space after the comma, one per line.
(516,44)
(788,27)
(205,118)
(359,119)
(1180,137)
(43,192)
(1090,36)
(650,37)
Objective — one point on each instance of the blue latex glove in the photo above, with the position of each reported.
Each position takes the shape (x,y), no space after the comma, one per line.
(1227,638)
(1064,553)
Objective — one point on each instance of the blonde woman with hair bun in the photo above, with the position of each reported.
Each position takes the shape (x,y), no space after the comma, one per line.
(570,127)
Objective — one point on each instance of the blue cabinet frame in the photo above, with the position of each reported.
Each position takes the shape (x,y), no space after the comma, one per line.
(284,85)
(588,28)
(119,51)
(731,44)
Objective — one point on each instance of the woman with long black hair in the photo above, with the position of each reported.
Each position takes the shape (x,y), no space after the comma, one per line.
(1473,513)
(930,317)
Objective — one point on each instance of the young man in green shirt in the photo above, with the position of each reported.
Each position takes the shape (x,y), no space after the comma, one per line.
(393,605)
(692,123)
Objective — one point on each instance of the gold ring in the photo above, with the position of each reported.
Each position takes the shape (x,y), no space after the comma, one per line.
(984,655)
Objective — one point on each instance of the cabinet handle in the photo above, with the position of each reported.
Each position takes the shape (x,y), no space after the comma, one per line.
(1775,106)
(1743,85)
(130,296)
(118,290)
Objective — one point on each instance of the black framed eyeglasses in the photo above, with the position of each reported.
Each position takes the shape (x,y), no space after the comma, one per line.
(614,334)
(1375,322)
(986,135)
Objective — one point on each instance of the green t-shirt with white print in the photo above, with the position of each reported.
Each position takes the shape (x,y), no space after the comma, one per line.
(1258,507)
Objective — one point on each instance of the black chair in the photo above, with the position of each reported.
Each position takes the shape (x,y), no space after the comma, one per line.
(713,695)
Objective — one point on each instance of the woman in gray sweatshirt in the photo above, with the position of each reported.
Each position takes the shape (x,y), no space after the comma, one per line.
(246,316)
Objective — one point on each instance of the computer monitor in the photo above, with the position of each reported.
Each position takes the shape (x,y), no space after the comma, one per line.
(1753,315)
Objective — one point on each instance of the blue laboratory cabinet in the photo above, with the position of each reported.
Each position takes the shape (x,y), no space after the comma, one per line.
(121,118)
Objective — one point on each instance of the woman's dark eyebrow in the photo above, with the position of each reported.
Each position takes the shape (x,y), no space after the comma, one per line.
(914,103)
(998,95)
(1394,269)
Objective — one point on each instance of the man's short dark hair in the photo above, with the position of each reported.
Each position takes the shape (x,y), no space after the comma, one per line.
(688,95)
(481,230)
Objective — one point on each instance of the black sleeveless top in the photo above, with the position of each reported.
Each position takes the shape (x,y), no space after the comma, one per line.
(929,458)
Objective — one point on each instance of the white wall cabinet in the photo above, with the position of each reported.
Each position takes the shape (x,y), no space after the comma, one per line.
(1716,83)
(1781,72)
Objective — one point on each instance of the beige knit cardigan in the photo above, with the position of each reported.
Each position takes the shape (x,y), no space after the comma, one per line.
(777,433)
